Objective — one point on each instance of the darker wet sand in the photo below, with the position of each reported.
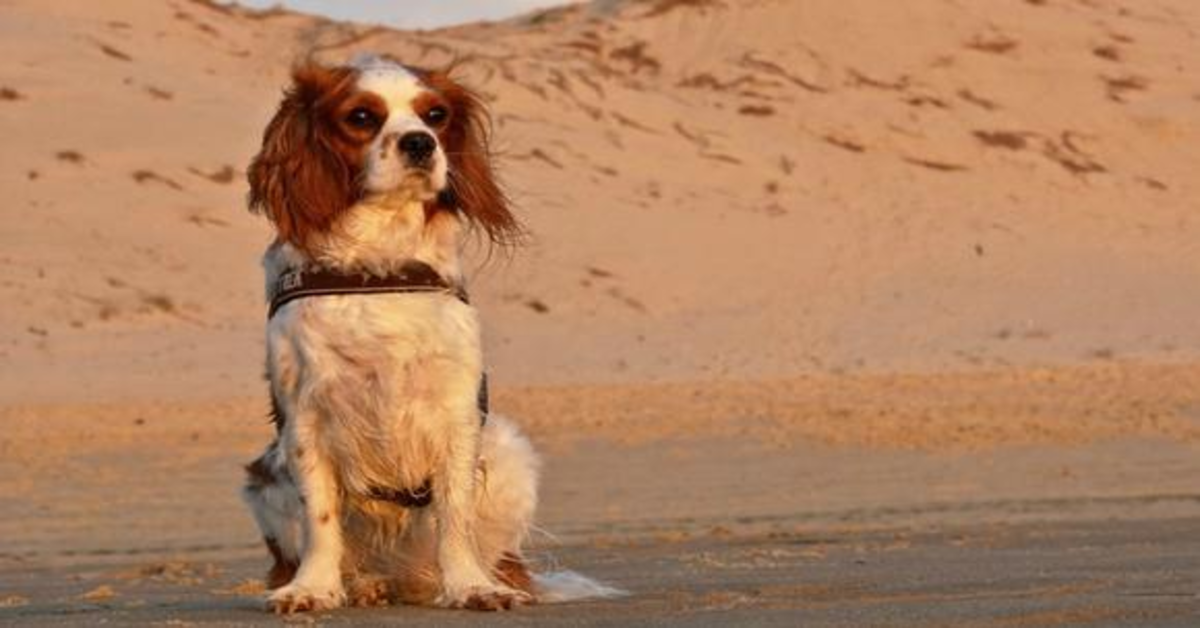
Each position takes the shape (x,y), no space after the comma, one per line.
(1114,573)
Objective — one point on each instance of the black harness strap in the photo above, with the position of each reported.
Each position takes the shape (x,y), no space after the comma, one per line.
(413,277)
(408,498)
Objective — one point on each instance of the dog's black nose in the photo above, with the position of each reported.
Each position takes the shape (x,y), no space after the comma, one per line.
(418,145)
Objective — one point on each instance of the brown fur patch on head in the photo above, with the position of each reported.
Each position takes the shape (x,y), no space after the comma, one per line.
(465,137)
(307,172)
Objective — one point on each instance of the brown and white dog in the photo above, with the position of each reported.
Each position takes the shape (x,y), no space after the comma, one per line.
(383,484)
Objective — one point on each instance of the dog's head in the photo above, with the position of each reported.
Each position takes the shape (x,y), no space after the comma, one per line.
(376,128)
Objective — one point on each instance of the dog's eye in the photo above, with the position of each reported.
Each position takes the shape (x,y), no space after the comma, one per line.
(436,116)
(362,118)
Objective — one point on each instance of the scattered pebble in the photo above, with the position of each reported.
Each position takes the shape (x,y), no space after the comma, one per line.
(13,601)
(102,592)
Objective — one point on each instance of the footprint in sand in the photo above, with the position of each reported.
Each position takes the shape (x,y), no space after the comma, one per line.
(113,52)
(1108,52)
(70,157)
(939,166)
(994,42)
(844,143)
(760,111)
(1064,151)
(977,100)
(226,174)
(1119,88)
(149,176)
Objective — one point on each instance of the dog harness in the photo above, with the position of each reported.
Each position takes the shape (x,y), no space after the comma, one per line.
(413,277)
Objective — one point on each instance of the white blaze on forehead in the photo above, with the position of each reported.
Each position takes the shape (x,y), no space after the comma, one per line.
(394,83)
(386,171)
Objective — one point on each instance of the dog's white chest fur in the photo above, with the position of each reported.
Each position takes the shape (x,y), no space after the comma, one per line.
(376,377)
(377,372)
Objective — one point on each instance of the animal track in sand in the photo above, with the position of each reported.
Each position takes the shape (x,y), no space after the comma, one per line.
(926,101)
(979,101)
(940,166)
(992,43)
(1063,150)
(1119,88)
(859,79)
(844,143)
(70,156)
(225,175)
(757,110)
(200,218)
(721,157)
(184,16)
(698,138)
(1003,139)
(635,55)
(1153,184)
(771,68)
(159,94)
(539,155)
(630,302)
(1108,52)
(113,52)
(149,176)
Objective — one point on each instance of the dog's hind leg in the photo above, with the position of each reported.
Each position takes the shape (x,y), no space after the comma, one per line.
(275,504)
(506,499)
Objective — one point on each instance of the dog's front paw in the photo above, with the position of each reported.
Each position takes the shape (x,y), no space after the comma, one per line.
(485,598)
(299,598)
(365,592)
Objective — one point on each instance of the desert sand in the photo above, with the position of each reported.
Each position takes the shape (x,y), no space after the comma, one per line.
(799,275)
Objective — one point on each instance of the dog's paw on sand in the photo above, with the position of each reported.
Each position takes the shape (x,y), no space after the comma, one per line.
(365,592)
(487,599)
(300,598)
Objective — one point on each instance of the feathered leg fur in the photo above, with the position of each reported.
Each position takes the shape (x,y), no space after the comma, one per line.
(393,553)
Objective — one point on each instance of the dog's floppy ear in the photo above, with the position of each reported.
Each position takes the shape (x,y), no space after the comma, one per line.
(472,185)
(299,179)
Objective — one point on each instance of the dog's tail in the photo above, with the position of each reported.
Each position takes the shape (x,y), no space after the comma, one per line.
(569,586)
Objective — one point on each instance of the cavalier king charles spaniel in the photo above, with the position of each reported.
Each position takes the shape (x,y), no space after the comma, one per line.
(387,480)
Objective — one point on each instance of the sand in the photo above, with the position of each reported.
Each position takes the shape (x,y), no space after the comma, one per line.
(793,267)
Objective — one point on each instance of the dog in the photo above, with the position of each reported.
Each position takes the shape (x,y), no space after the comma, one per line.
(387,481)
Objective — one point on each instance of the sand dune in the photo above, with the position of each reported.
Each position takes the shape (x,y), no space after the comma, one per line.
(854,186)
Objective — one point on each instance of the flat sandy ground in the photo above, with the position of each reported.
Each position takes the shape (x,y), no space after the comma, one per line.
(1117,573)
(1074,504)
